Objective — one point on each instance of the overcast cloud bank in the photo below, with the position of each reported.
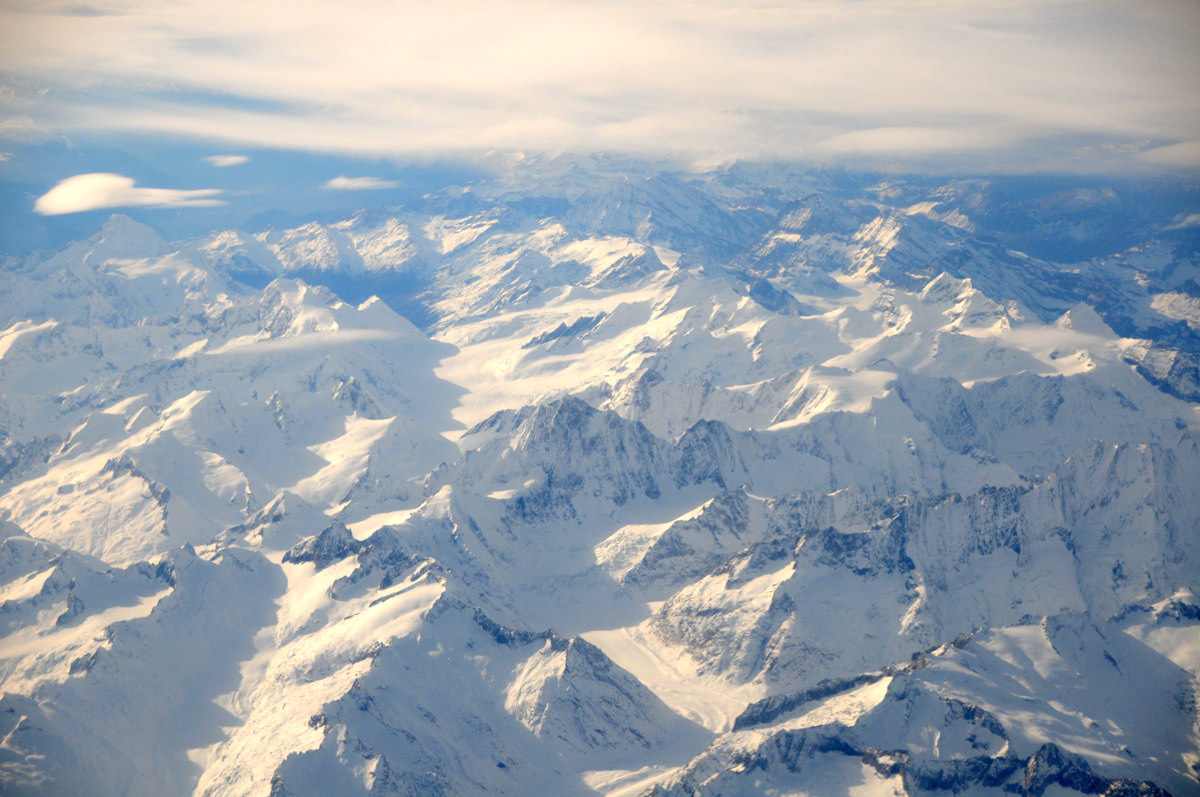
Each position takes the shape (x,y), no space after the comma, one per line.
(1013,83)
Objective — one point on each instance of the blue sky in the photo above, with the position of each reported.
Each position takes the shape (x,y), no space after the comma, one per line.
(1010,85)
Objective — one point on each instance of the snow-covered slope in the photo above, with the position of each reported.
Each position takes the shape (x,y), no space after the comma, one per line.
(741,482)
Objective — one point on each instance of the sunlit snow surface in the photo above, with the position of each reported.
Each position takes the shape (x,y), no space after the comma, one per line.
(721,484)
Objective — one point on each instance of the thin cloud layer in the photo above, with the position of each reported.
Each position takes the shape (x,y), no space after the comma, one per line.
(1004,81)
(359,184)
(99,190)
(1186,153)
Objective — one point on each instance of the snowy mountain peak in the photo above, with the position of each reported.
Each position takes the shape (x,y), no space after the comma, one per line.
(1084,319)
(121,236)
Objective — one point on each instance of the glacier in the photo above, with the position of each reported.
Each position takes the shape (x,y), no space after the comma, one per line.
(607,477)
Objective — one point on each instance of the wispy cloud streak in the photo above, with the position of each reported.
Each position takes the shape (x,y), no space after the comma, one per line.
(225,161)
(359,184)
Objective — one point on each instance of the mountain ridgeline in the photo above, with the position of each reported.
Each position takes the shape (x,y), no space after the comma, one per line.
(602,477)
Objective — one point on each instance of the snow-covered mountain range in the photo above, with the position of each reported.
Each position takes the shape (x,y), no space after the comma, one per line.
(604,477)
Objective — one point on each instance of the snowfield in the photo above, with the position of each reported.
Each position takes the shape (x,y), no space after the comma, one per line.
(737,482)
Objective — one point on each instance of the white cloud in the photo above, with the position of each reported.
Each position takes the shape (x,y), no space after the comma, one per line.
(359,183)
(227,160)
(1185,222)
(823,78)
(103,190)
(23,129)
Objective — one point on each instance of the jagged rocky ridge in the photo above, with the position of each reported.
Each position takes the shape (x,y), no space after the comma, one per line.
(694,483)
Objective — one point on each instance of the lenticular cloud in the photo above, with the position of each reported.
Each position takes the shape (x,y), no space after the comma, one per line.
(105,190)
